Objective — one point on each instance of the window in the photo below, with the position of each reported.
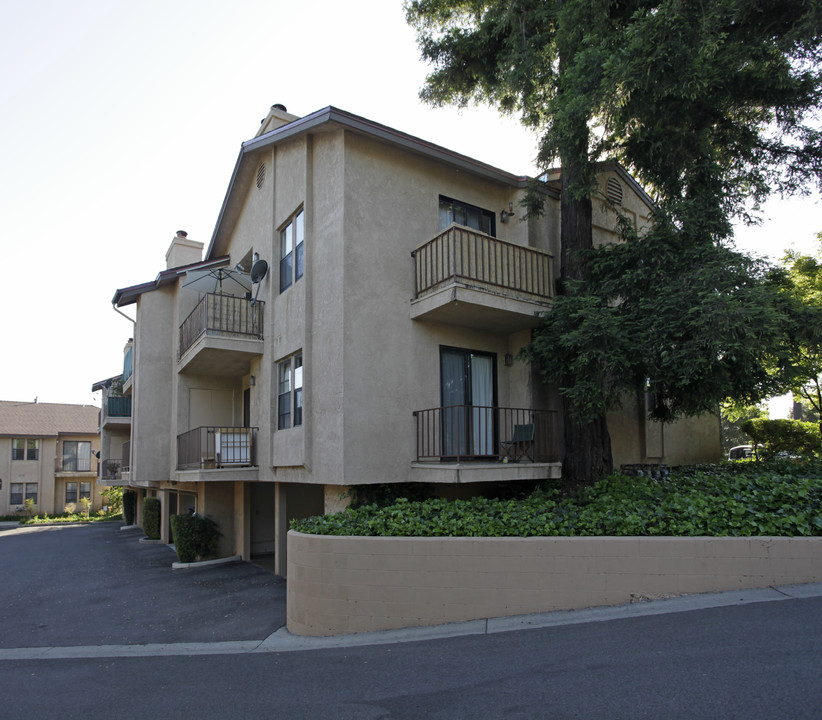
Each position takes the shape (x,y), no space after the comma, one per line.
(85,490)
(454,211)
(76,455)
(71,492)
(20,492)
(25,449)
(292,243)
(290,392)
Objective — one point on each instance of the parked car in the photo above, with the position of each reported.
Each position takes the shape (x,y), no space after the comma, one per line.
(741,452)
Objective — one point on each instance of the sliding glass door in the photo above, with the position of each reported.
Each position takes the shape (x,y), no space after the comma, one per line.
(468,395)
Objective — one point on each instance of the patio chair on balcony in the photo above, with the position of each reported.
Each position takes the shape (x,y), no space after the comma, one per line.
(521,443)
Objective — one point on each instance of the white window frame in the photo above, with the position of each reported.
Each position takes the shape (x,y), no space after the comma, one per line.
(292,250)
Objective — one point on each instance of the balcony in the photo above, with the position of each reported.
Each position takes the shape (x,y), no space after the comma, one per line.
(116,411)
(218,448)
(463,277)
(111,471)
(221,336)
(468,443)
(73,464)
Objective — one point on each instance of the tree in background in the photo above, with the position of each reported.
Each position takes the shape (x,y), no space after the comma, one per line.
(802,287)
(708,105)
(732,416)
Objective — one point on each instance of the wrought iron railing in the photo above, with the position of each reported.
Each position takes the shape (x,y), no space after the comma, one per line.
(126,455)
(112,469)
(75,463)
(216,447)
(468,256)
(468,432)
(222,315)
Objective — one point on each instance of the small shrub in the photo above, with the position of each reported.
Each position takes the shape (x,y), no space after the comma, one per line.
(791,437)
(86,505)
(69,509)
(129,506)
(195,537)
(151,518)
(113,495)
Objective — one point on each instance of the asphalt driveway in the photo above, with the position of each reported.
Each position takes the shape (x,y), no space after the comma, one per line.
(97,585)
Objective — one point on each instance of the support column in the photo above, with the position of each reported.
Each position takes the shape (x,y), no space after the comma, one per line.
(242,520)
(280,530)
(164,515)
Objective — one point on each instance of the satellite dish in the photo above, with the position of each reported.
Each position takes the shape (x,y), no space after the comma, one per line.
(258,272)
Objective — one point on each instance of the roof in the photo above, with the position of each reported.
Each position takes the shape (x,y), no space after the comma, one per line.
(129,295)
(334,117)
(33,419)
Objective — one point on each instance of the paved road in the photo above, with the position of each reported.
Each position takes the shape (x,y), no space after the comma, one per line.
(746,655)
(97,585)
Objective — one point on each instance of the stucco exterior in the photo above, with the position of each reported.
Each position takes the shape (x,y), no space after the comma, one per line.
(48,453)
(412,257)
(363,584)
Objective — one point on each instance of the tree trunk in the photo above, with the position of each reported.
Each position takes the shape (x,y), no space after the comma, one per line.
(587,455)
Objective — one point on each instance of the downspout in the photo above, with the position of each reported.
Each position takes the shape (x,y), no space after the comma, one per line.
(120,312)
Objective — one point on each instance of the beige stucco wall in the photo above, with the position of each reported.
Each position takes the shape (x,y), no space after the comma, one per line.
(357,584)
(635,439)
(43,471)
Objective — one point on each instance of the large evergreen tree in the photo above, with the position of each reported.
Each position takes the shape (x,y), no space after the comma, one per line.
(708,103)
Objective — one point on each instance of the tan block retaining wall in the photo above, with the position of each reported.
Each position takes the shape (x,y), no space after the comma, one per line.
(359,584)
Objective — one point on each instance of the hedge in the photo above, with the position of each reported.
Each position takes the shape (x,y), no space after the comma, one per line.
(195,537)
(744,499)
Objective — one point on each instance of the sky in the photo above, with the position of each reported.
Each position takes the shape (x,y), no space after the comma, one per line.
(122,123)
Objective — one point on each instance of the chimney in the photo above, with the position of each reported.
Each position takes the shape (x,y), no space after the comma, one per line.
(277,117)
(183,251)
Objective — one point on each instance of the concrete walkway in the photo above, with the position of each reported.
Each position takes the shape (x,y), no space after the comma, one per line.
(224,609)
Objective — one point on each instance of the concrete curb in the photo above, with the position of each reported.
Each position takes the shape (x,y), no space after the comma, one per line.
(283,641)
(206,563)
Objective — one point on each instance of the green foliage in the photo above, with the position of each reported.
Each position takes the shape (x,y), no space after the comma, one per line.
(791,437)
(151,518)
(732,415)
(389,493)
(129,506)
(69,517)
(195,537)
(688,323)
(801,284)
(113,497)
(738,499)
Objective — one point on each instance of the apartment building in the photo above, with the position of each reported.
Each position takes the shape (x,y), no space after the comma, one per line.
(355,320)
(48,454)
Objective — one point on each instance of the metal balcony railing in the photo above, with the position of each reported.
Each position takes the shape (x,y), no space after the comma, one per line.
(471,257)
(216,447)
(118,407)
(125,466)
(467,432)
(225,315)
(74,463)
(112,469)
